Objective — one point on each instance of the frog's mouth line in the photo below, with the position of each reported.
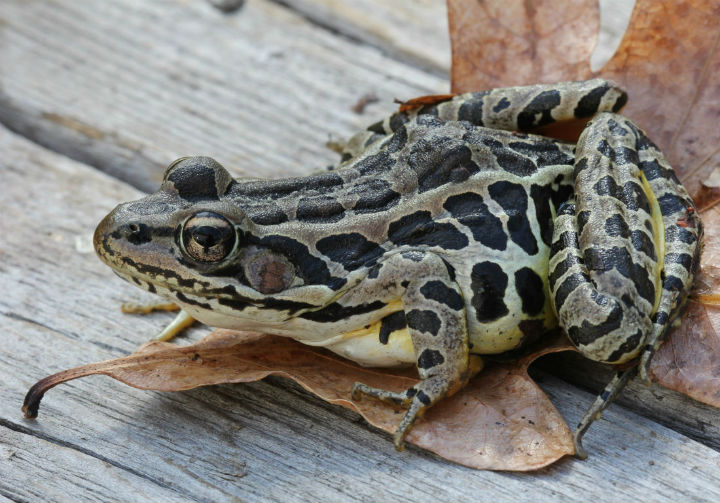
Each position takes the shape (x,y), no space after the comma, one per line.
(229,302)
(276,318)
(151,283)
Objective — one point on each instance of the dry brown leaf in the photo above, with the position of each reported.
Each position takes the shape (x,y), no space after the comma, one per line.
(709,193)
(421,101)
(501,43)
(669,63)
(689,361)
(501,421)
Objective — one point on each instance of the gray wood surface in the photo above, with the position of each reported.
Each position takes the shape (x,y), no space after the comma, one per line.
(124,87)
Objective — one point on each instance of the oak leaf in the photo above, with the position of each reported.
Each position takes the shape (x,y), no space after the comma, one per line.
(486,425)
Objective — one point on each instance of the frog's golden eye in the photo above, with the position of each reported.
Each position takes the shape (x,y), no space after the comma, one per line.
(208,237)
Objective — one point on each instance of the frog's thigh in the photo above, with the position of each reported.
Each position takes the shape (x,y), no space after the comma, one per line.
(527,108)
(604,264)
(683,232)
(435,313)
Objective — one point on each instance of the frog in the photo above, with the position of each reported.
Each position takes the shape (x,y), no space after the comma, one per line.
(455,230)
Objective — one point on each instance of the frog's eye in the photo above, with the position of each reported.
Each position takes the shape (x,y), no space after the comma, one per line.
(208,237)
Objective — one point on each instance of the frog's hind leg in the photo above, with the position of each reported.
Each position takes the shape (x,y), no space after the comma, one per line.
(557,110)
(607,248)
(682,238)
(435,314)
(601,326)
(629,197)
(603,400)
(606,255)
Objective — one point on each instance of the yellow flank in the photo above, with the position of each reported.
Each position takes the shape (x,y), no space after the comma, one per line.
(363,345)
(658,237)
(494,340)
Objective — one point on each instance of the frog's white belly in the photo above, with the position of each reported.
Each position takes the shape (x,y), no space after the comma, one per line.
(361,345)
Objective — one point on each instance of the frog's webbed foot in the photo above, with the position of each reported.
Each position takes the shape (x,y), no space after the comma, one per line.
(182,321)
(417,399)
(604,399)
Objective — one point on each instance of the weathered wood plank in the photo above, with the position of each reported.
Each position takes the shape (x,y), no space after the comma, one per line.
(416,30)
(129,86)
(412,31)
(670,408)
(35,469)
(264,441)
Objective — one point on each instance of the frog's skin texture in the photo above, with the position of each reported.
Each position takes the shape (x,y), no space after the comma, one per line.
(446,232)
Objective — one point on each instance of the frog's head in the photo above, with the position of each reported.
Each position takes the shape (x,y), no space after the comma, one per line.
(190,241)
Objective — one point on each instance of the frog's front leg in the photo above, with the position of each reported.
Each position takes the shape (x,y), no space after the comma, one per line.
(620,263)
(435,313)
(182,321)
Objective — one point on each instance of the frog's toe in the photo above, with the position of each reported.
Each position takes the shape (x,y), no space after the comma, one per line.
(411,397)
(182,321)
(580,451)
(644,366)
(391,397)
(416,410)
(416,399)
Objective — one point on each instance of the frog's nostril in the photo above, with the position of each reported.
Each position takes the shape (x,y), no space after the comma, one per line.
(135,233)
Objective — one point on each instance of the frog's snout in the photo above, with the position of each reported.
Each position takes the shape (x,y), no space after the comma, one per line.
(102,231)
(112,231)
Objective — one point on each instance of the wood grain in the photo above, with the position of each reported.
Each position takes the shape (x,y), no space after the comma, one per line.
(130,86)
(411,31)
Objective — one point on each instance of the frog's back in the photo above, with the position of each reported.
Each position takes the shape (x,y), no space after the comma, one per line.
(483,199)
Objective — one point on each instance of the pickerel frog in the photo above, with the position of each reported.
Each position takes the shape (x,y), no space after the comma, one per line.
(448,231)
